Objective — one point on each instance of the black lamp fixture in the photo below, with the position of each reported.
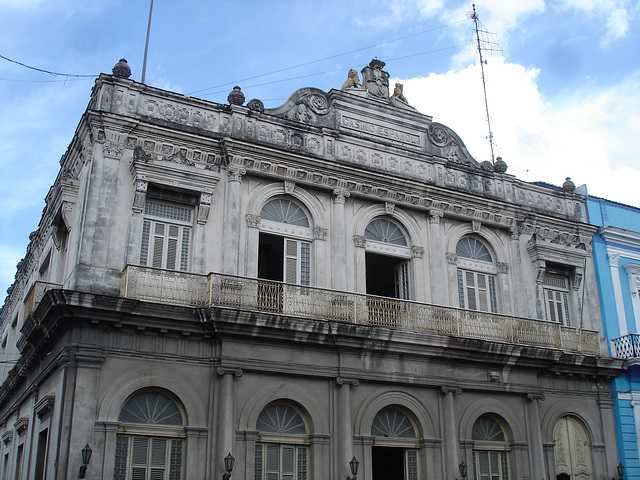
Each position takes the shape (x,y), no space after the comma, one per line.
(353,465)
(620,469)
(229,461)
(86,456)
(463,469)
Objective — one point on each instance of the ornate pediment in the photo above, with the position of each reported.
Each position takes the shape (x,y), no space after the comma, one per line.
(309,106)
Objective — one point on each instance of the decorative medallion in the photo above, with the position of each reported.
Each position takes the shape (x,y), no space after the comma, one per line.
(256,105)
(438,135)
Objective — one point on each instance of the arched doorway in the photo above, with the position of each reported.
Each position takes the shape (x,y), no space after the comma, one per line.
(282,446)
(490,449)
(395,447)
(572,450)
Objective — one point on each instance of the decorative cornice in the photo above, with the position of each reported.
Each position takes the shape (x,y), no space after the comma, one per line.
(44,405)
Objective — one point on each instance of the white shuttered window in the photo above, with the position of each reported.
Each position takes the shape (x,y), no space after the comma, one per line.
(166,235)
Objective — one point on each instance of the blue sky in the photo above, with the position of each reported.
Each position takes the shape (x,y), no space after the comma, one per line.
(563,93)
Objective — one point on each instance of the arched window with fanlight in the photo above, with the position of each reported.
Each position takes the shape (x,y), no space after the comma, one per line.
(387,259)
(476,275)
(282,451)
(284,251)
(395,446)
(150,438)
(490,449)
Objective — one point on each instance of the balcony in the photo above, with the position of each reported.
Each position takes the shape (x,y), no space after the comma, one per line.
(627,346)
(218,290)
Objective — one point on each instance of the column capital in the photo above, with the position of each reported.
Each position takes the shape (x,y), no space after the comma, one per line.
(340,194)
(236,172)
(435,215)
(229,371)
(360,240)
(536,396)
(347,381)
(449,389)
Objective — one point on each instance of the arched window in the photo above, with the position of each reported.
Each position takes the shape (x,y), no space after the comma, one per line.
(150,439)
(490,449)
(282,451)
(387,267)
(394,451)
(476,275)
(284,251)
(386,231)
(572,449)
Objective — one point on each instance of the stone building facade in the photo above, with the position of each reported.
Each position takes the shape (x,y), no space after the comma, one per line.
(335,278)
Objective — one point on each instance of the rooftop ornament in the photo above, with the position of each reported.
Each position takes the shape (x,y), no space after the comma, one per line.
(122,69)
(236,97)
(500,166)
(568,186)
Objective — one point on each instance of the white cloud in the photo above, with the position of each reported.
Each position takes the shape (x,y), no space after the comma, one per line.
(617,15)
(581,136)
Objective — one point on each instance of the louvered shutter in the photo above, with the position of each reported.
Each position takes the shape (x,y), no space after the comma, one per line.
(297,268)
(273,462)
(401,273)
(139,458)
(290,261)
(477,291)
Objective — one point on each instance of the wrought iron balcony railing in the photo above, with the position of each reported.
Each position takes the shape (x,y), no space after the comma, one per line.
(215,289)
(627,346)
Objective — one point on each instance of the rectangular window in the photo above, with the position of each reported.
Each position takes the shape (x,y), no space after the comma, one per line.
(19,462)
(556,298)
(280,462)
(41,455)
(148,458)
(477,291)
(166,233)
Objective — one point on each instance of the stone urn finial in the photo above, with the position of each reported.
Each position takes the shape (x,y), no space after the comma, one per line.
(122,69)
(568,186)
(236,97)
(500,166)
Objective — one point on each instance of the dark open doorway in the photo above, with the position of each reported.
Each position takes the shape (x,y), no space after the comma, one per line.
(388,463)
(270,253)
(381,274)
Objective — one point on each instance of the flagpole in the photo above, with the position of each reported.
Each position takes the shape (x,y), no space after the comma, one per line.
(146,44)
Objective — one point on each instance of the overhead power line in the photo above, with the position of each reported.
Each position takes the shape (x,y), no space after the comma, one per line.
(49,72)
(330,71)
(235,82)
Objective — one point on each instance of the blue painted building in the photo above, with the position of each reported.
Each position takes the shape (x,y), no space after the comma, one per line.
(616,252)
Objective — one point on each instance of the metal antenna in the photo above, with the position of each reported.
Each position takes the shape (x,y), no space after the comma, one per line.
(146,44)
(474,16)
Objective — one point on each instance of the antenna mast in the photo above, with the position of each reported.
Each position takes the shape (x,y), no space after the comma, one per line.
(474,16)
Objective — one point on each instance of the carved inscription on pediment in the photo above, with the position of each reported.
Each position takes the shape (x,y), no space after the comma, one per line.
(413,139)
